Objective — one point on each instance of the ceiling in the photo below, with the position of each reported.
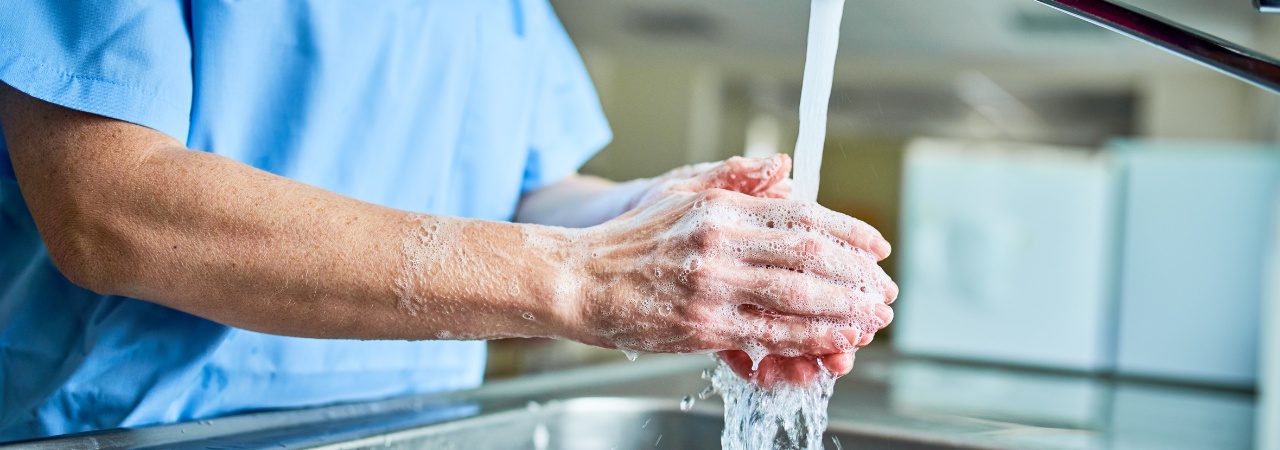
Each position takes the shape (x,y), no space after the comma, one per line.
(733,31)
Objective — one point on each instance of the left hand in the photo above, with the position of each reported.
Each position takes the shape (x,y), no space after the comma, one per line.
(765,178)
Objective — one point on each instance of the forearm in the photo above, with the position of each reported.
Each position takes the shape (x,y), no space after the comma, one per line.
(580,201)
(128,211)
(213,237)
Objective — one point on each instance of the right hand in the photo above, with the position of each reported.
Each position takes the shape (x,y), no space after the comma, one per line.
(719,270)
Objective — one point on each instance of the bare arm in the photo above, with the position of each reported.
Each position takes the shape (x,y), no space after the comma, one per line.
(127,210)
(580,201)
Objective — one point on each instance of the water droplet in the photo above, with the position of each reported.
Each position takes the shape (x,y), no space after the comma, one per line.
(707,393)
(706,374)
(655,443)
(646,423)
(687,403)
(836,440)
(631,354)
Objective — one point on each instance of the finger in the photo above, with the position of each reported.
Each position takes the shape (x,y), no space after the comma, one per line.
(891,292)
(773,370)
(839,364)
(744,175)
(785,292)
(848,340)
(807,253)
(799,371)
(762,373)
(885,314)
(866,339)
(757,328)
(792,215)
(781,189)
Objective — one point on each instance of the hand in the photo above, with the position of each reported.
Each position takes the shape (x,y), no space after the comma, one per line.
(720,270)
(761,178)
(799,370)
(765,178)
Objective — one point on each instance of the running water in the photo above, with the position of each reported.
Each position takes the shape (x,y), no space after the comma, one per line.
(815,93)
(788,416)
(783,417)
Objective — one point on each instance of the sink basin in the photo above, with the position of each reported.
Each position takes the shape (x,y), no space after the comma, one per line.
(599,423)
(886,403)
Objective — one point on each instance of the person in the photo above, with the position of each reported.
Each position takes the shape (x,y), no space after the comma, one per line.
(216,207)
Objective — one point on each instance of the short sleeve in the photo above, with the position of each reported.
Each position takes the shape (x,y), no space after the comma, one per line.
(568,124)
(124,59)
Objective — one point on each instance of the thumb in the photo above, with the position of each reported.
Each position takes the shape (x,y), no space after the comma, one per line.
(749,176)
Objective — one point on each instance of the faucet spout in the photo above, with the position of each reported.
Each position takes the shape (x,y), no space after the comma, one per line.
(1214,52)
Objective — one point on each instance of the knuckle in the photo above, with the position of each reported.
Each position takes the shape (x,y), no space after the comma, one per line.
(813,245)
(715,195)
(700,279)
(709,239)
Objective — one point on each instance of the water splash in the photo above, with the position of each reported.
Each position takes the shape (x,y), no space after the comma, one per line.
(783,417)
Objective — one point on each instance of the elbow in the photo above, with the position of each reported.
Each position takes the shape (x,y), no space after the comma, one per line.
(92,254)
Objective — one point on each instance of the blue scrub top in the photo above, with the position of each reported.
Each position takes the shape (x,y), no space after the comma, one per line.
(436,106)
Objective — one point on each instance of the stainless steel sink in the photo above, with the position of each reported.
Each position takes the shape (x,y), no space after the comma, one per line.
(886,403)
(598,423)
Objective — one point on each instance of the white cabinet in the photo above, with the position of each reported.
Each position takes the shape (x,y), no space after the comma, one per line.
(1197,226)
(1008,254)
(1146,259)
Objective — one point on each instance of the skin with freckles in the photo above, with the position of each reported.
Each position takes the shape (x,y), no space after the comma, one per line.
(703,259)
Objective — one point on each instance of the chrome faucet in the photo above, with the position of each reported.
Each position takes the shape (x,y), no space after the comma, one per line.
(1219,54)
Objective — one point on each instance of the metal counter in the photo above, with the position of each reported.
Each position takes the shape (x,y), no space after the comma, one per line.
(887,402)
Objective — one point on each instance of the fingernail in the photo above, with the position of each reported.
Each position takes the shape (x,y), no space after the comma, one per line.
(881,247)
(885,314)
(866,339)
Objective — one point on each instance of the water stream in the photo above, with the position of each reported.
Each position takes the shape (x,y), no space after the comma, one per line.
(785,416)
(815,94)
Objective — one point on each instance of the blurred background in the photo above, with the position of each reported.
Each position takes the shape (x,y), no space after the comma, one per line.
(987,96)
(1062,199)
